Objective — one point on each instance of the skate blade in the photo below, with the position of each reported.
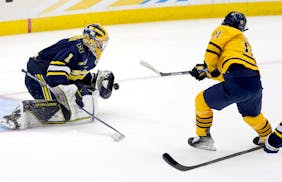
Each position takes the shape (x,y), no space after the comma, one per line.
(204,147)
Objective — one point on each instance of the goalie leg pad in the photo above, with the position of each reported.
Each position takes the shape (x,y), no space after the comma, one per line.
(90,105)
(19,119)
(46,111)
(34,113)
(65,94)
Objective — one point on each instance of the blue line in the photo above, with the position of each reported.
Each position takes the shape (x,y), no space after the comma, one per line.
(144,2)
(162,1)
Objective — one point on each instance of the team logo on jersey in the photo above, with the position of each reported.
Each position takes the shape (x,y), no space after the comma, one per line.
(217,34)
(80,48)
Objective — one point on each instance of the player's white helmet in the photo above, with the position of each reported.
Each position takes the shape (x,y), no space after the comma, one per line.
(95,37)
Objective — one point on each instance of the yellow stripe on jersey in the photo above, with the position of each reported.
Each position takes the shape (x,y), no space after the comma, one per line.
(75,37)
(57,73)
(57,63)
(214,49)
(278,134)
(45,90)
(278,130)
(227,46)
(78,74)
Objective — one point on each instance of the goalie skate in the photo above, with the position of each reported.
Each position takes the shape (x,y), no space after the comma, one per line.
(205,142)
(10,121)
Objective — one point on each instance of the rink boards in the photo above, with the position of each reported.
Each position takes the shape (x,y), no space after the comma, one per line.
(65,14)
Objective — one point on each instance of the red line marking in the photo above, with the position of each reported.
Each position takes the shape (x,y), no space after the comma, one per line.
(29,25)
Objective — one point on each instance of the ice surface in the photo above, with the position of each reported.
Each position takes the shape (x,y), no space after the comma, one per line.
(155,114)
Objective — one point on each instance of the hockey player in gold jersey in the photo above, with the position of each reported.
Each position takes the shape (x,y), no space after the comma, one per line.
(229,60)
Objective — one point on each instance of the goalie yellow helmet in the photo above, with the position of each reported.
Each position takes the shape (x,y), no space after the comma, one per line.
(95,37)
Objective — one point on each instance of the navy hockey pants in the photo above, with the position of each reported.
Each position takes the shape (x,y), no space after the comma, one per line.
(242,86)
(36,90)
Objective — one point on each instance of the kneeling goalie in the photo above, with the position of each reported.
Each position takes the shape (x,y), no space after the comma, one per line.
(60,81)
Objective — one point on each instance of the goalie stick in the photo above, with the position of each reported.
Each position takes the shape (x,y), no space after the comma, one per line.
(172,162)
(149,66)
(118,136)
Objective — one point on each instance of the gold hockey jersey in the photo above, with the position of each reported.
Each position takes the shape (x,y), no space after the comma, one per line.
(227,46)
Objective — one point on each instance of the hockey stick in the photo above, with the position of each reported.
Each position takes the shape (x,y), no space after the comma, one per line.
(172,162)
(118,136)
(149,66)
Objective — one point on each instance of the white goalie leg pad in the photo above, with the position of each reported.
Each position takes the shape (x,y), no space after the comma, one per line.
(90,105)
(34,113)
(19,119)
(65,94)
(28,120)
(68,99)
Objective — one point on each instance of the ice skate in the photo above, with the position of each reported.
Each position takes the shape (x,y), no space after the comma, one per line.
(10,121)
(258,141)
(204,142)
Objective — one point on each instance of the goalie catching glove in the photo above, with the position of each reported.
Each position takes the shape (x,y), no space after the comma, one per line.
(103,81)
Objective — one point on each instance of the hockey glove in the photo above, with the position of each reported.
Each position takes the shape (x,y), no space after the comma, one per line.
(78,99)
(104,83)
(199,72)
(269,144)
(82,88)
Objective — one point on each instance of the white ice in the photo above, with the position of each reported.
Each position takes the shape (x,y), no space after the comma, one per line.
(156,114)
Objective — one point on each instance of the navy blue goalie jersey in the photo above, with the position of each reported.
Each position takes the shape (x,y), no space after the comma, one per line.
(63,62)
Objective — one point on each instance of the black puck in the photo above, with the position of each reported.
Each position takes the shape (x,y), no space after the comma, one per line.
(116,86)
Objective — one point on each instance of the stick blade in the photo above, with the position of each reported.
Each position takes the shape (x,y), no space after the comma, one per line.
(118,137)
(174,163)
(147,65)
(181,167)
(169,159)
